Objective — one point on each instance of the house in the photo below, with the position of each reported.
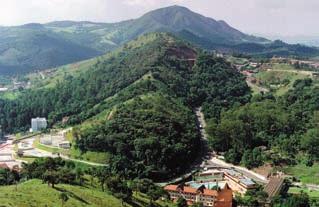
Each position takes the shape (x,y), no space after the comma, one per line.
(210,175)
(65,145)
(208,197)
(4,166)
(46,140)
(274,186)
(37,124)
(237,182)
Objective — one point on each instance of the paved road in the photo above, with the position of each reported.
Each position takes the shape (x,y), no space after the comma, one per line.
(309,186)
(213,160)
(248,173)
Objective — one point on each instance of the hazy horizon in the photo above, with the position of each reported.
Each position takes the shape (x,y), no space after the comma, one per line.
(273,17)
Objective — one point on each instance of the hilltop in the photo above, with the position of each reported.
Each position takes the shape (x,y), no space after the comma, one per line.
(33,47)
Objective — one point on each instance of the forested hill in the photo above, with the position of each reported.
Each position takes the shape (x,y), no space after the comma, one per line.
(33,46)
(137,103)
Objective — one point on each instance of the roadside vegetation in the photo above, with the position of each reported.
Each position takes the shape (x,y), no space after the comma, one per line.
(285,126)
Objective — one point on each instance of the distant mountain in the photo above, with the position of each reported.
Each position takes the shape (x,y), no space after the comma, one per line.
(35,46)
(310,40)
(174,19)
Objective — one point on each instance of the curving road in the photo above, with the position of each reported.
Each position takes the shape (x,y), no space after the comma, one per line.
(213,160)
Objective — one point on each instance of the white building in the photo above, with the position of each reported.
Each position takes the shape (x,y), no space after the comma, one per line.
(65,145)
(37,124)
(46,140)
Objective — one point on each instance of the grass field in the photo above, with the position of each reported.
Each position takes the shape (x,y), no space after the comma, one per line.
(97,157)
(307,175)
(37,80)
(34,193)
(9,95)
(311,193)
(280,78)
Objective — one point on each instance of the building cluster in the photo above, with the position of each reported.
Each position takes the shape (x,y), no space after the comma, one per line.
(37,124)
(208,197)
(237,182)
(212,188)
(55,140)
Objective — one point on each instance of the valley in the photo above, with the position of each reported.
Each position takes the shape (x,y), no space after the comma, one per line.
(170,109)
(161,90)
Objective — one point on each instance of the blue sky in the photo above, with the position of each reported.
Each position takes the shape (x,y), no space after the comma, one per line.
(280,17)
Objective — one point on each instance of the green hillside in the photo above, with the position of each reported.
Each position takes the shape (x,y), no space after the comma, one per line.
(287,126)
(35,193)
(34,47)
(133,100)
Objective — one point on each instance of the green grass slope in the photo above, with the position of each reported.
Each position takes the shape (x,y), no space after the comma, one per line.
(34,193)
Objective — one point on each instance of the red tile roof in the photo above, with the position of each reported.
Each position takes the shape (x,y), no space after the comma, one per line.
(223,197)
(171,187)
(4,166)
(189,190)
(209,192)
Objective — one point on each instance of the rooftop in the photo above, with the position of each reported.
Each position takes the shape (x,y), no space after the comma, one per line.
(208,185)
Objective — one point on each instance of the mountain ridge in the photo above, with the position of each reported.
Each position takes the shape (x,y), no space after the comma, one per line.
(85,39)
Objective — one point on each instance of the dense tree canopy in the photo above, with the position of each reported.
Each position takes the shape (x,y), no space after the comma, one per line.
(139,101)
(285,123)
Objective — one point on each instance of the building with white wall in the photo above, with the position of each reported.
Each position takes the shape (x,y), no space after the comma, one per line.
(37,124)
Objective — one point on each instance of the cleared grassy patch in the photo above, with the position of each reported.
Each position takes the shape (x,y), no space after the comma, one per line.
(34,193)
(97,157)
(9,95)
(40,146)
(311,193)
(307,175)
(279,80)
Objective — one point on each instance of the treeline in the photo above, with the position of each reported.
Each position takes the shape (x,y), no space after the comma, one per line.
(286,125)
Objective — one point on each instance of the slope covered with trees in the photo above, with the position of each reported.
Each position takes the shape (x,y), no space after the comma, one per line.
(137,104)
(287,125)
(40,46)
